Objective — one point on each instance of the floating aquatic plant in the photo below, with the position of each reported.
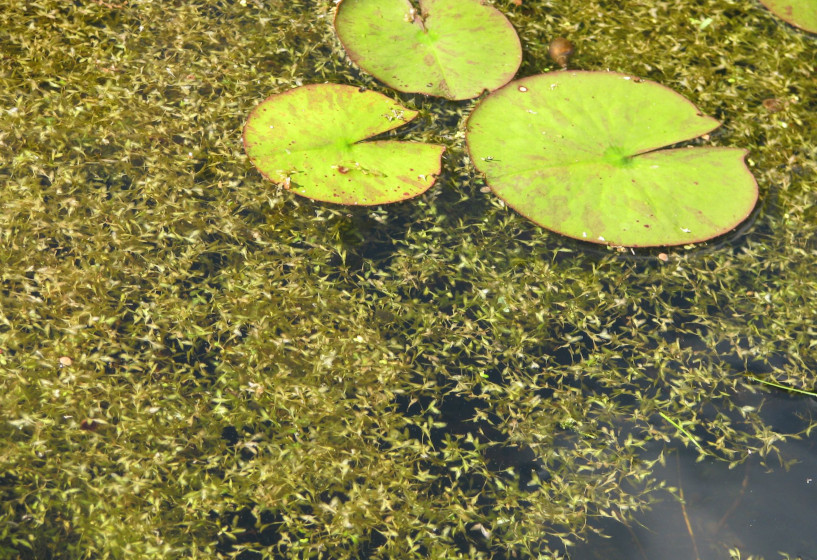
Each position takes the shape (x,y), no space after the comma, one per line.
(448,48)
(579,153)
(800,13)
(309,140)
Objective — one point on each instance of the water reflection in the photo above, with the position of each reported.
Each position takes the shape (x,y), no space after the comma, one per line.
(760,509)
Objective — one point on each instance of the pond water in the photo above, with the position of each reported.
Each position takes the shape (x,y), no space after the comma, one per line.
(196,363)
(759,508)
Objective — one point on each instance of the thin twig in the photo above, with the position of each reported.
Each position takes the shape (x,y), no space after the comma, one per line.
(684,509)
(637,542)
(683,431)
(784,387)
(737,501)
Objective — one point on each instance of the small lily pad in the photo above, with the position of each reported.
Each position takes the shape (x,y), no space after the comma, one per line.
(308,140)
(449,48)
(578,153)
(800,13)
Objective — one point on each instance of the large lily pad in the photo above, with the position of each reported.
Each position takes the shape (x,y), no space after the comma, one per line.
(448,48)
(575,152)
(308,139)
(800,13)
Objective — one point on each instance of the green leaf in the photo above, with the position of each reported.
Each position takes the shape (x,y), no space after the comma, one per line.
(308,139)
(448,48)
(575,152)
(800,13)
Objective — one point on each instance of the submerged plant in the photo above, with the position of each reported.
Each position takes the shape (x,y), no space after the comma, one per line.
(195,364)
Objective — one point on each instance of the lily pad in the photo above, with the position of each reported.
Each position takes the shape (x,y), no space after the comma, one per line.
(308,139)
(578,153)
(800,13)
(449,48)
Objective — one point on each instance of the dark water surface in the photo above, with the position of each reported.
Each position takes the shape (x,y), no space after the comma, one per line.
(760,508)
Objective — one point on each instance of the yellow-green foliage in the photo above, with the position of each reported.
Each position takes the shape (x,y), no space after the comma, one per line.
(197,365)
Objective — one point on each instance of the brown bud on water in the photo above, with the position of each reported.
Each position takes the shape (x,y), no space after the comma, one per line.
(773,105)
(560,51)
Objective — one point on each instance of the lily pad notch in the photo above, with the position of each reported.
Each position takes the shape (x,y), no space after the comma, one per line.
(580,153)
(310,140)
(447,48)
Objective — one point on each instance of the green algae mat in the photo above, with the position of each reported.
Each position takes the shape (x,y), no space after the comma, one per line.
(196,363)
